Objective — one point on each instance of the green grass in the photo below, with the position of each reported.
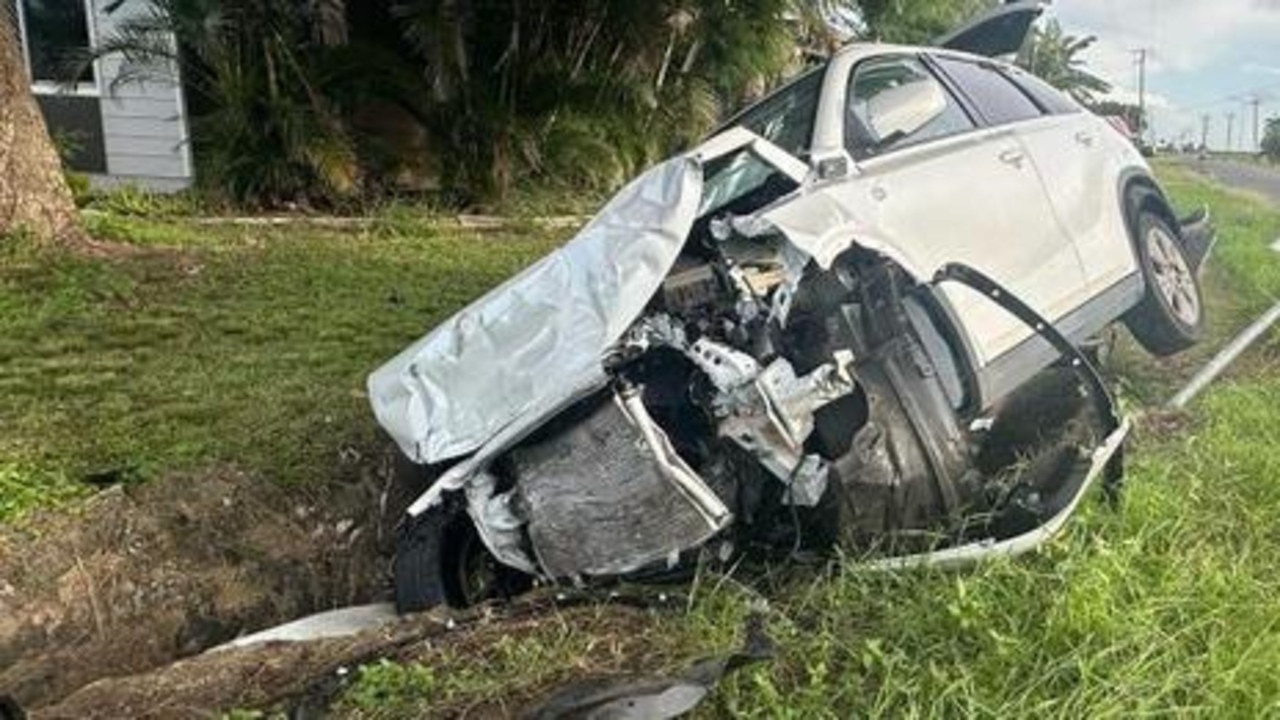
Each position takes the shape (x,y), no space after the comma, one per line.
(1166,606)
(196,345)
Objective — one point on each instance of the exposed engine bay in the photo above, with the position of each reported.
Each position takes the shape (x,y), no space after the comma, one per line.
(762,404)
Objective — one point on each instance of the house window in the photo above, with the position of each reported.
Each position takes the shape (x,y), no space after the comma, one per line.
(57,36)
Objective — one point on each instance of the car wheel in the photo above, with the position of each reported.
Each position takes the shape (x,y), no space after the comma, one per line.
(1170,316)
(419,568)
(441,560)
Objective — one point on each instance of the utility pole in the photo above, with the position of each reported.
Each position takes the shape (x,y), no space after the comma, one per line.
(1244,117)
(1204,132)
(1142,93)
(1255,102)
(1231,121)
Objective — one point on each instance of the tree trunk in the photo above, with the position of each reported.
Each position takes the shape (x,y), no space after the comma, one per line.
(34,196)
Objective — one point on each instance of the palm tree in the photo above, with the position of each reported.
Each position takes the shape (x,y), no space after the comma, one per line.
(1054,56)
(912,22)
(572,92)
(584,91)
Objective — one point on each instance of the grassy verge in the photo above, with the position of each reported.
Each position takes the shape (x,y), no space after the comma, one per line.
(1165,606)
(192,345)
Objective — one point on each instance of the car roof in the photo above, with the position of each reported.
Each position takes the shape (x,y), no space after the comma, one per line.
(860,50)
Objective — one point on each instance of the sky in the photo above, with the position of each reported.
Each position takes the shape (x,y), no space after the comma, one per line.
(1205,57)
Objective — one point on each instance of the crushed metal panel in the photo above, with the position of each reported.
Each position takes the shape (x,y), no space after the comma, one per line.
(653,697)
(598,501)
(823,228)
(543,333)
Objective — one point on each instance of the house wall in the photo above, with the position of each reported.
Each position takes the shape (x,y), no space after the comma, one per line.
(144,125)
(119,132)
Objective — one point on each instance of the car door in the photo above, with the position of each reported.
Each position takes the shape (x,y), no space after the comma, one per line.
(960,189)
(1070,147)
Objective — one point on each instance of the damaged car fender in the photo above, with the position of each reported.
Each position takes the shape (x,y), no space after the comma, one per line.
(540,335)
(543,333)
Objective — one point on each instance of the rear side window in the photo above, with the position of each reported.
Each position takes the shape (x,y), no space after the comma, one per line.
(994,95)
(896,101)
(1050,99)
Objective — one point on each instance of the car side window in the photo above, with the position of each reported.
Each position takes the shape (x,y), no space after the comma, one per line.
(995,96)
(1049,98)
(786,117)
(896,101)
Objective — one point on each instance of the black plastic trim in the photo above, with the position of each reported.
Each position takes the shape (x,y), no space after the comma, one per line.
(966,275)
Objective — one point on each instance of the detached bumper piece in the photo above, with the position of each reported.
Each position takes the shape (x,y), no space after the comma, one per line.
(1199,235)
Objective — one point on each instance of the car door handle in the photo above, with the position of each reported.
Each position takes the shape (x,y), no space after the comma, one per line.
(1085,139)
(1013,157)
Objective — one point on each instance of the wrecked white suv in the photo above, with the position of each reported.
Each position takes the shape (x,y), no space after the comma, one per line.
(850,320)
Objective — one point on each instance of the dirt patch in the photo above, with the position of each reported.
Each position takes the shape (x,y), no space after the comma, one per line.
(1161,424)
(140,576)
(211,683)
(302,679)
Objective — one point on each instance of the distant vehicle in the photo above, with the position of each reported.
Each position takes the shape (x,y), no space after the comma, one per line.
(848,320)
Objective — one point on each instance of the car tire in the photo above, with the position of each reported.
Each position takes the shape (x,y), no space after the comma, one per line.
(441,560)
(1170,316)
(418,570)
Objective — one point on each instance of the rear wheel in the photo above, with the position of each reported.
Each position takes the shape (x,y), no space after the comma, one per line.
(1170,316)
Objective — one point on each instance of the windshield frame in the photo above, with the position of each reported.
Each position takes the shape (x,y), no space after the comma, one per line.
(816,74)
(812,81)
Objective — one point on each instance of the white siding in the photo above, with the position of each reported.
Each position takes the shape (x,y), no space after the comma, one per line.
(144,124)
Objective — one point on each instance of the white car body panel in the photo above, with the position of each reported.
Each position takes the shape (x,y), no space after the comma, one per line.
(1078,155)
(1056,240)
(1105,259)
(920,209)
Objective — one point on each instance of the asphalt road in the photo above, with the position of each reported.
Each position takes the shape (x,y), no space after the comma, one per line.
(1245,176)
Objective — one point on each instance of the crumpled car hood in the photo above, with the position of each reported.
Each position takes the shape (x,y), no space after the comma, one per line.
(542,334)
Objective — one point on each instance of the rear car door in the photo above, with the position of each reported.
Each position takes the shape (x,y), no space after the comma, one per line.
(962,189)
(1069,146)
